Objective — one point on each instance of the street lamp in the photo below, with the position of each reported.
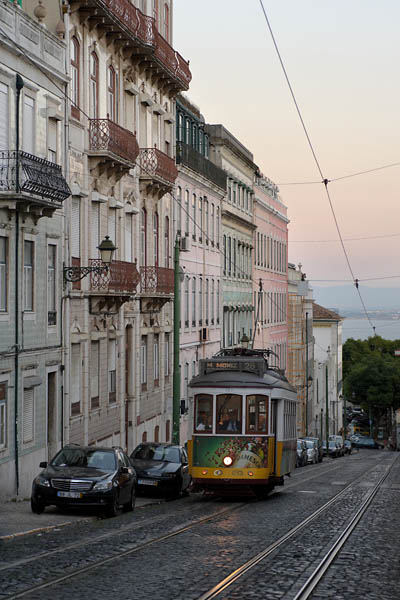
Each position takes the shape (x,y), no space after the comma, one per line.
(106,249)
(245,340)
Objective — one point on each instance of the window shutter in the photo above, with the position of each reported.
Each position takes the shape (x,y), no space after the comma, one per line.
(75,375)
(4,119)
(75,228)
(28,125)
(95,230)
(128,238)
(94,369)
(28,415)
(52,140)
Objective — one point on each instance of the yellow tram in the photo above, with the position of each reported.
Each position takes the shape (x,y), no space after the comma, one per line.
(244,429)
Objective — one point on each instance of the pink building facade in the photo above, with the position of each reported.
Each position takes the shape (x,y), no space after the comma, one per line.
(270,282)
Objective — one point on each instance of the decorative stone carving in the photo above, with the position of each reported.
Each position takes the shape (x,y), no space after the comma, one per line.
(40,12)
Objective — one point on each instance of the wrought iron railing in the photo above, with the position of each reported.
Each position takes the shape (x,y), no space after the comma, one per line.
(120,277)
(143,28)
(107,136)
(186,155)
(156,280)
(155,163)
(37,176)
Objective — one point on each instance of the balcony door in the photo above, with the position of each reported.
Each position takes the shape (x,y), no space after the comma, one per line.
(143,238)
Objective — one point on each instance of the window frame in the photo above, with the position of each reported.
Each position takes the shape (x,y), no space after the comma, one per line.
(94,85)
(258,397)
(29,269)
(197,399)
(218,413)
(75,77)
(4,275)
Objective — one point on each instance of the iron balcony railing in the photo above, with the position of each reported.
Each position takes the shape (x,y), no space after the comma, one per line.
(107,136)
(120,277)
(156,164)
(156,280)
(143,29)
(188,156)
(37,176)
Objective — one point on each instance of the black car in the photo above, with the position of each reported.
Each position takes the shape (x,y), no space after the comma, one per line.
(301,455)
(347,446)
(86,476)
(161,467)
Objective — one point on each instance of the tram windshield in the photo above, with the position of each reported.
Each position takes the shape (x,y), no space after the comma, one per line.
(229,413)
(257,414)
(203,413)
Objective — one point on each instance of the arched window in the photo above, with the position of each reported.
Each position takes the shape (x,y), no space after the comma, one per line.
(75,77)
(94,85)
(144,436)
(111,92)
(166,22)
(166,243)
(156,433)
(155,239)
(143,237)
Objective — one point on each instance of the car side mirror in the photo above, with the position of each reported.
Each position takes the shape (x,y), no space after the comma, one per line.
(43,465)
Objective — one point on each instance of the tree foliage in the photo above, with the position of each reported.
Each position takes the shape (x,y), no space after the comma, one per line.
(371,372)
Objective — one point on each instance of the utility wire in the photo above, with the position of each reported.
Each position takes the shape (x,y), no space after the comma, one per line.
(325,181)
(391,165)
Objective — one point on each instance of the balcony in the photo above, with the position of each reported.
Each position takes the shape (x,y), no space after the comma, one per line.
(188,156)
(158,171)
(111,147)
(41,186)
(110,289)
(156,288)
(137,36)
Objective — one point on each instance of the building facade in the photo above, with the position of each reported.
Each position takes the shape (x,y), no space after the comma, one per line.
(270,279)
(33,194)
(237,233)
(201,187)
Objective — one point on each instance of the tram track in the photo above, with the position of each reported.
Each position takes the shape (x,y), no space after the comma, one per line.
(133,528)
(313,580)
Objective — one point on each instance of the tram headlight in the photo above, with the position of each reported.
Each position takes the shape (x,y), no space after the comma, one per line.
(250,473)
(204,472)
(228,461)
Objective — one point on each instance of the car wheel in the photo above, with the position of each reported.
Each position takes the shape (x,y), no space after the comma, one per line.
(130,506)
(37,507)
(114,508)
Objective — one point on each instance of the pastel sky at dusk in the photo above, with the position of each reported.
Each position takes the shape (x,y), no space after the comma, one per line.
(342,58)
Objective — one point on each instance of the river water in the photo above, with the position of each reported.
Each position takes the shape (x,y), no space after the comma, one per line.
(360,329)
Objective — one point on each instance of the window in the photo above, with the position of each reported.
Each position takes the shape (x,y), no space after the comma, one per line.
(181,136)
(203,413)
(194,302)
(4,119)
(257,414)
(212,301)
(206,220)
(212,223)
(94,375)
(112,373)
(186,383)
(75,76)
(156,433)
(225,254)
(194,200)
(28,414)
(156,359)
(155,12)
(200,219)
(229,413)
(28,131)
(166,355)
(3,273)
(218,301)
(194,136)
(111,92)
(166,22)
(229,256)
(187,214)
(143,361)
(94,86)
(51,284)
(52,140)
(200,301)
(3,415)
(155,239)
(179,210)
(143,237)
(187,132)
(75,387)
(28,275)
(166,243)
(207,298)
(167,430)
(186,303)
(129,235)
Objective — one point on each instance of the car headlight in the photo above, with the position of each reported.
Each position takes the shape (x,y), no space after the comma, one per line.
(40,480)
(103,486)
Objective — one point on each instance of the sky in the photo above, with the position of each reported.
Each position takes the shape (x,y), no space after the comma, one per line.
(342,58)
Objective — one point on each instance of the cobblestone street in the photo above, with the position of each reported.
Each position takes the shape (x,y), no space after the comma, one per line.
(185,564)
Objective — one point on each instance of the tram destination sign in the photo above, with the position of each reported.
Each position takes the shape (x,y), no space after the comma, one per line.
(253,366)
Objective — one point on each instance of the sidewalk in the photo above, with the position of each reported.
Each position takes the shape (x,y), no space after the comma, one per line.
(16,518)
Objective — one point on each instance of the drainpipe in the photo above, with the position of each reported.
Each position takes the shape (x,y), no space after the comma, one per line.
(306,373)
(19,84)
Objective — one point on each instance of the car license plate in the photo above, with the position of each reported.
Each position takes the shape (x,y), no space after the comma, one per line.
(69,494)
(147,482)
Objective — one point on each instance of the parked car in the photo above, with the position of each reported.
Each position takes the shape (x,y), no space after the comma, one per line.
(319,446)
(366,442)
(333,449)
(161,467)
(312,451)
(86,476)
(301,458)
(347,446)
(339,441)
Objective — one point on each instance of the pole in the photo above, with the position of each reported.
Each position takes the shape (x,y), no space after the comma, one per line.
(176,385)
(326,408)
(344,418)
(306,373)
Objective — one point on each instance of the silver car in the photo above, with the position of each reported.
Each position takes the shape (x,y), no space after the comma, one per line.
(312,451)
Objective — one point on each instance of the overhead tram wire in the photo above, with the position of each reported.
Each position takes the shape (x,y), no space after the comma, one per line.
(391,165)
(325,181)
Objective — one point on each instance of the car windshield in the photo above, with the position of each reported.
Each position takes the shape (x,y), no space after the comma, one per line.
(81,457)
(165,453)
(332,444)
(310,444)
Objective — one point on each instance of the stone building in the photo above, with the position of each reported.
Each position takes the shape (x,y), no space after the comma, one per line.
(237,233)
(270,269)
(33,194)
(201,187)
(118,323)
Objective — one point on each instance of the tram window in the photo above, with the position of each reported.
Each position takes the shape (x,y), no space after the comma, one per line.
(203,413)
(257,414)
(229,413)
